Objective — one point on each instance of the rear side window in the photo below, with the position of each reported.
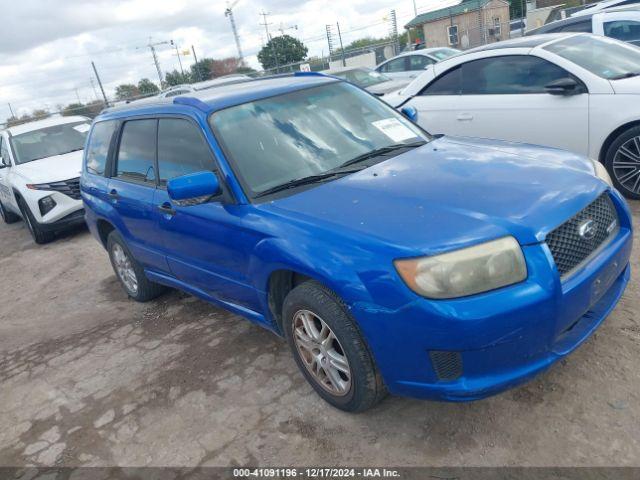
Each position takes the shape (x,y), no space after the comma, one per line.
(137,153)
(448,84)
(625,30)
(397,65)
(181,149)
(98,148)
(509,75)
(419,62)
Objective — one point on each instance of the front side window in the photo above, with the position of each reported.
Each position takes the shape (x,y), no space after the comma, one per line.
(396,65)
(98,148)
(509,75)
(49,142)
(625,30)
(450,83)
(452,31)
(181,149)
(602,56)
(419,62)
(315,131)
(137,152)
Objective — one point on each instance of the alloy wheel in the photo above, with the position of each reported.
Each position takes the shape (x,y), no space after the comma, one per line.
(124,269)
(321,352)
(626,165)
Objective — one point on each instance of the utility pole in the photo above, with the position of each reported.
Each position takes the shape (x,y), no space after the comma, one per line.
(178,53)
(273,45)
(393,31)
(77,95)
(93,86)
(106,102)
(152,47)
(195,59)
(344,60)
(415,10)
(11,110)
(229,13)
(523,14)
(329,41)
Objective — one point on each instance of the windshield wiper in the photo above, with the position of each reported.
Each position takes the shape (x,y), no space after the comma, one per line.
(378,152)
(305,181)
(625,75)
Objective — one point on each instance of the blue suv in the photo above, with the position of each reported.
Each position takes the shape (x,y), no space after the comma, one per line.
(390,260)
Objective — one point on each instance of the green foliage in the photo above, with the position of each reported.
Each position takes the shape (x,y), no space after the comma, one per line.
(127,91)
(91,109)
(282,50)
(177,78)
(147,87)
(201,70)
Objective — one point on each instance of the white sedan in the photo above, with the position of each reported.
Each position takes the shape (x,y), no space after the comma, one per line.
(409,65)
(578,92)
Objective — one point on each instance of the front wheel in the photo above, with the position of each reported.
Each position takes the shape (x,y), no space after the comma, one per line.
(329,349)
(129,272)
(39,236)
(623,162)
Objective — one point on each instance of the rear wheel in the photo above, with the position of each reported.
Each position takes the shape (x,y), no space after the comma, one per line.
(129,272)
(7,216)
(623,162)
(329,349)
(39,236)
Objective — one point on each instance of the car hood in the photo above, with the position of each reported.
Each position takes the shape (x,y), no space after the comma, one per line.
(451,193)
(626,85)
(387,87)
(52,169)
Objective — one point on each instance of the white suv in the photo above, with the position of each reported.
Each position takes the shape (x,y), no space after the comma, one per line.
(40,165)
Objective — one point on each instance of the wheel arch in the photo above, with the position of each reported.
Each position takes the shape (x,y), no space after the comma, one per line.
(612,136)
(104,229)
(279,284)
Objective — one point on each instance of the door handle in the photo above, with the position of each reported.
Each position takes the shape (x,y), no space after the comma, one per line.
(465,117)
(166,209)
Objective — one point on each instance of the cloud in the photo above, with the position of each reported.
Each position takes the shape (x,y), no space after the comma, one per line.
(47,47)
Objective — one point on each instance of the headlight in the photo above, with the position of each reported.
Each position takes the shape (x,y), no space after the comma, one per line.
(600,171)
(466,271)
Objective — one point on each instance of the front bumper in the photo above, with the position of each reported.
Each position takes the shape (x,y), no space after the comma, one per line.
(501,338)
(69,221)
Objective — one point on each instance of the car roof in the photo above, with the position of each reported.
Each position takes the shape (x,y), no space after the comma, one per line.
(47,122)
(233,94)
(532,41)
(424,51)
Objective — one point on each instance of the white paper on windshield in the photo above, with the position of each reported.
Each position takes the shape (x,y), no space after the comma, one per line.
(394,129)
(82,128)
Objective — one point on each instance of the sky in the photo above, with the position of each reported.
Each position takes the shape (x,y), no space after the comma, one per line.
(46,46)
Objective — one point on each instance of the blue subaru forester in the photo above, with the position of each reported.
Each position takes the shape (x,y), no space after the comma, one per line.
(390,260)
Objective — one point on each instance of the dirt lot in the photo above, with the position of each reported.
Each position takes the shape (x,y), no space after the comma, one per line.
(88,377)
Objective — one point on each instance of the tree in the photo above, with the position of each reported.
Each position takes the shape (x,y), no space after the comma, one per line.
(226,66)
(177,78)
(91,109)
(201,70)
(127,91)
(282,50)
(246,70)
(147,88)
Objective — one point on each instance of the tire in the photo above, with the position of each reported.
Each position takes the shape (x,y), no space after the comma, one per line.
(626,178)
(359,389)
(39,236)
(7,216)
(140,288)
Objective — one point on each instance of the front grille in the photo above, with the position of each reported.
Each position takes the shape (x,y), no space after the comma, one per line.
(575,240)
(447,365)
(71,188)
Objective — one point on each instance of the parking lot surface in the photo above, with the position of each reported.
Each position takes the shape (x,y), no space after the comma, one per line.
(89,377)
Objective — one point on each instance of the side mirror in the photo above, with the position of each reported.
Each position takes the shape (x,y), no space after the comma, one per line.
(410,112)
(563,86)
(194,188)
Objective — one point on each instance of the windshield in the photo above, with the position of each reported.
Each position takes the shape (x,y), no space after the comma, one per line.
(361,77)
(49,141)
(602,56)
(273,141)
(444,53)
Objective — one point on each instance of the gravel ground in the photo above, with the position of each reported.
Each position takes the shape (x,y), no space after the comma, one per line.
(88,377)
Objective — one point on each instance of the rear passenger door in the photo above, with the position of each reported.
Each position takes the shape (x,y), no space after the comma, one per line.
(132,188)
(207,245)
